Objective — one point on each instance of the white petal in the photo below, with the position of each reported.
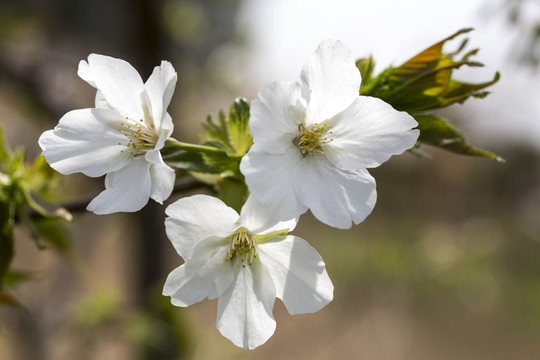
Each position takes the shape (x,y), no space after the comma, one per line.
(258,220)
(336,197)
(127,189)
(85,141)
(196,218)
(299,274)
(161,175)
(160,88)
(367,133)
(270,180)
(119,83)
(245,309)
(330,81)
(274,117)
(205,275)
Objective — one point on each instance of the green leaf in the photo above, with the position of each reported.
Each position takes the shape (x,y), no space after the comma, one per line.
(218,132)
(425,81)
(234,193)
(439,132)
(240,137)
(365,66)
(56,233)
(188,160)
(230,133)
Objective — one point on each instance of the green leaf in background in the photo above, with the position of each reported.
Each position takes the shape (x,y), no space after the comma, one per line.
(6,242)
(439,132)
(26,190)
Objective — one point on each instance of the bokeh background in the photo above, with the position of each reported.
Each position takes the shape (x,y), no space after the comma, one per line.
(446,267)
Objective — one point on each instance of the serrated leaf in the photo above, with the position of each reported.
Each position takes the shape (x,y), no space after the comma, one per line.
(217,132)
(240,137)
(425,81)
(436,131)
(424,61)
(231,132)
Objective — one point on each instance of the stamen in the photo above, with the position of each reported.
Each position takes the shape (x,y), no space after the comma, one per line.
(141,136)
(310,140)
(242,248)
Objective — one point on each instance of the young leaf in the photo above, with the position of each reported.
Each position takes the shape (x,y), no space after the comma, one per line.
(425,81)
(438,132)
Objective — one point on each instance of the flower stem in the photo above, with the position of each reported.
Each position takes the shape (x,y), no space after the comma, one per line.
(174,145)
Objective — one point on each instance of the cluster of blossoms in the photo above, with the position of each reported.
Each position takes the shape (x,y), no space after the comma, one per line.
(313,141)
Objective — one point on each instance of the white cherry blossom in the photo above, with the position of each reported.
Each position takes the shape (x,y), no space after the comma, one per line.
(245,261)
(314,140)
(120,137)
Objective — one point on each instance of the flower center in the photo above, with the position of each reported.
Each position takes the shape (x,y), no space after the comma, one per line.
(310,139)
(140,137)
(242,249)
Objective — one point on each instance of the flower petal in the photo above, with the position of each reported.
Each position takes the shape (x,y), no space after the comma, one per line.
(196,218)
(85,141)
(160,88)
(205,275)
(336,197)
(119,83)
(330,81)
(275,116)
(299,274)
(256,217)
(127,189)
(244,313)
(161,175)
(368,133)
(270,180)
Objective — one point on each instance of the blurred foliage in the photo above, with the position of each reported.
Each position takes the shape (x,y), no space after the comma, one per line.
(425,83)
(518,13)
(217,160)
(26,192)
(104,309)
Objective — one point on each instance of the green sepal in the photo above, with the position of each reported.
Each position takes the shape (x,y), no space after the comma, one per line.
(439,132)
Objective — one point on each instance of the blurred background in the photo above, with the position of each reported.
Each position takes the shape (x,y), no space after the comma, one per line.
(446,267)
